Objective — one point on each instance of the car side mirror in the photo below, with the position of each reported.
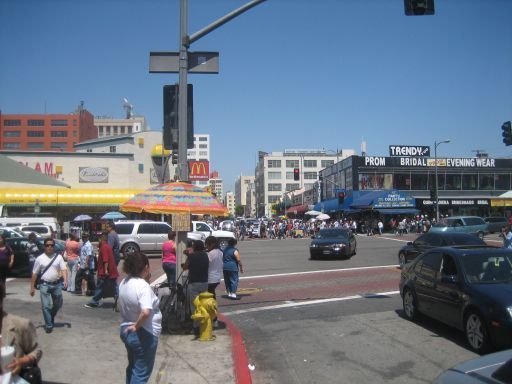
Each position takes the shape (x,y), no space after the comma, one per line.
(449,279)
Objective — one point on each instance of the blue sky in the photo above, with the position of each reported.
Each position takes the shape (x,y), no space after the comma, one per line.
(294,74)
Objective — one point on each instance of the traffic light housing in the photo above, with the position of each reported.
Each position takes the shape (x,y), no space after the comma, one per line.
(341,197)
(296,174)
(419,7)
(432,194)
(174,158)
(170,138)
(507,133)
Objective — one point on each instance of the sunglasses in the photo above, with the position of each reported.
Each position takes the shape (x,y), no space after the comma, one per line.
(49,245)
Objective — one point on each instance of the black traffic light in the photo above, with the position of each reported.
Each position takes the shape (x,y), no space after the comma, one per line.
(170,116)
(174,158)
(432,194)
(419,7)
(341,197)
(296,174)
(507,133)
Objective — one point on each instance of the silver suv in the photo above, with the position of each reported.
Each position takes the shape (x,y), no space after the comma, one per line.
(141,235)
(146,235)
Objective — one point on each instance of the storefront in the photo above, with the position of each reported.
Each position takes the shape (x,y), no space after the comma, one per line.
(469,186)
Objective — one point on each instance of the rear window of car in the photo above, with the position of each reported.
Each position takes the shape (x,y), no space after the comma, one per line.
(36,229)
(332,233)
(474,221)
(124,229)
(464,240)
(496,220)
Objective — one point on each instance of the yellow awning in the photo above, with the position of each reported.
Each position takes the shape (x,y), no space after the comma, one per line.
(501,202)
(29,196)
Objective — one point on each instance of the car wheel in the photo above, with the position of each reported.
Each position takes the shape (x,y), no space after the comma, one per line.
(480,235)
(223,244)
(409,304)
(401,259)
(130,248)
(476,332)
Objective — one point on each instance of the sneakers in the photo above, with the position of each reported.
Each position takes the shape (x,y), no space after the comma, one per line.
(232,296)
(48,330)
(91,305)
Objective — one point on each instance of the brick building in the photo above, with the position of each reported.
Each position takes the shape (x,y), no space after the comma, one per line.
(46,132)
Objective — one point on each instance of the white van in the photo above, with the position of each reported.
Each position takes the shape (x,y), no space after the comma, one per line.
(29,221)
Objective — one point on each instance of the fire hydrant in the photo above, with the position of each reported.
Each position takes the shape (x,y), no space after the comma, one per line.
(206,311)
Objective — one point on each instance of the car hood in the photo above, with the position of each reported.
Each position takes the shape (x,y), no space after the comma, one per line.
(223,234)
(328,241)
(500,293)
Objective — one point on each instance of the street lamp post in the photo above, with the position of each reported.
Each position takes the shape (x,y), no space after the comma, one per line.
(436,144)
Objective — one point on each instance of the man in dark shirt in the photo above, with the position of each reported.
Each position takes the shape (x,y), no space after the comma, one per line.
(197,264)
(113,240)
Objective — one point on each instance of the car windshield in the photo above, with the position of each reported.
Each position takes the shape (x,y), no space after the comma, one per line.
(488,269)
(332,234)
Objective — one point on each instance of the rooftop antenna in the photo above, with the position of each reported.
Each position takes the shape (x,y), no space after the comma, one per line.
(480,153)
(128,107)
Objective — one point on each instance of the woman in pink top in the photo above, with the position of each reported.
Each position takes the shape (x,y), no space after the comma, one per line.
(72,249)
(169,257)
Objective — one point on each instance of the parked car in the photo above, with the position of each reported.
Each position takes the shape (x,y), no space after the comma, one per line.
(431,240)
(40,230)
(227,225)
(492,368)
(466,287)
(333,242)
(22,266)
(465,224)
(11,232)
(495,223)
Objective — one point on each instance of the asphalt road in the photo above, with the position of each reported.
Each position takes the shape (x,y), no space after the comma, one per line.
(335,321)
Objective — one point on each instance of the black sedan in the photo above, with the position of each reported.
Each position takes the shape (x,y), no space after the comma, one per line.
(431,240)
(22,266)
(333,242)
(466,287)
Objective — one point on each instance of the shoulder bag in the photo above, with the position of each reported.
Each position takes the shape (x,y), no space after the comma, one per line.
(37,283)
(31,374)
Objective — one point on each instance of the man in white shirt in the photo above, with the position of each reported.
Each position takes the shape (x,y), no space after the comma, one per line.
(55,277)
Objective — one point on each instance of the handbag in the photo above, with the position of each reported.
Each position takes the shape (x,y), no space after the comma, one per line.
(31,374)
(108,288)
(39,276)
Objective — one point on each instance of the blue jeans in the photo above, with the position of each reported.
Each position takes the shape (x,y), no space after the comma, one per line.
(170,271)
(141,347)
(51,302)
(98,293)
(72,274)
(231,281)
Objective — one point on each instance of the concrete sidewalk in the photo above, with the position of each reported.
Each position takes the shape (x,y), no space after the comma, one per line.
(85,346)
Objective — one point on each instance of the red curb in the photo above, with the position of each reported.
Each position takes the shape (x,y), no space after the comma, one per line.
(240,359)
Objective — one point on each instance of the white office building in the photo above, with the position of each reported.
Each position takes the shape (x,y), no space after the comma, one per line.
(229,202)
(276,174)
(108,126)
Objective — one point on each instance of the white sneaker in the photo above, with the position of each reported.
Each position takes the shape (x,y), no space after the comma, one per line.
(231,295)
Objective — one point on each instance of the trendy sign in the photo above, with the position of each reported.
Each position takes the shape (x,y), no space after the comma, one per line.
(409,150)
(199,170)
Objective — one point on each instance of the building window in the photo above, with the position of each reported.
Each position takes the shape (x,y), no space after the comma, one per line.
(75,133)
(203,146)
(141,168)
(402,181)
(292,163)
(36,123)
(112,149)
(419,181)
(502,181)
(12,123)
(12,133)
(35,133)
(310,163)
(375,181)
(454,182)
(326,163)
(307,186)
(59,145)
(274,187)
(310,175)
(274,163)
(292,187)
(11,145)
(470,181)
(203,138)
(74,123)
(35,145)
(289,175)
(59,123)
(274,175)
(59,134)
(203,153)
(486,181)
(273,199)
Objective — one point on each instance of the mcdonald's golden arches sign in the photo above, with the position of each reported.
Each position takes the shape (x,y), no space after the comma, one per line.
(199,170)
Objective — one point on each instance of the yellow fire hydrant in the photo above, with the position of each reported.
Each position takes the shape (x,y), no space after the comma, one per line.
(206,311)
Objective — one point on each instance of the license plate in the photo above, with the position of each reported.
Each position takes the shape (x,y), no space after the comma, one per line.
(326,252)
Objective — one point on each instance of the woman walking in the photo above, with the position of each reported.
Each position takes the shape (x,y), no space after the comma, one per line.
(215,266)
(141,320)
(6,259)
(231,265)
(169,258)
(72,250)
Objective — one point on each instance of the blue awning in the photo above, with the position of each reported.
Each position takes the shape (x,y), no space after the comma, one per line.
(332,205)
(385,199)
(398,211)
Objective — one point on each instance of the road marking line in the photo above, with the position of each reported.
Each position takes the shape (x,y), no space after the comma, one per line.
(290,304)
(321,271)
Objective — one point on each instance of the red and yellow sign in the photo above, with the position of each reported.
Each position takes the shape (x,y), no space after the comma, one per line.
(199,170)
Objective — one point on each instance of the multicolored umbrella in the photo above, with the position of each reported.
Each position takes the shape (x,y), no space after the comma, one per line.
(176,197)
